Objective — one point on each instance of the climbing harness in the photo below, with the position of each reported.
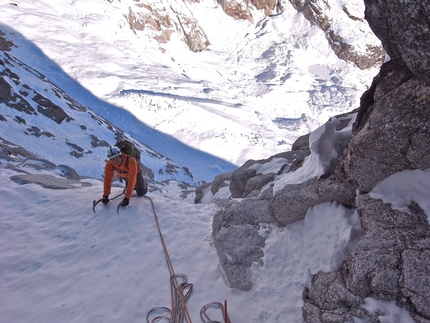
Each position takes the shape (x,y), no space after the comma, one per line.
(179,294)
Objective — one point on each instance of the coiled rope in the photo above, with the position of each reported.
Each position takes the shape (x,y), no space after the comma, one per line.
(179,307)
(179,294)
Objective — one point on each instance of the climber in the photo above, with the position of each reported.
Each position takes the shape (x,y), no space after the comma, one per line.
(127,168)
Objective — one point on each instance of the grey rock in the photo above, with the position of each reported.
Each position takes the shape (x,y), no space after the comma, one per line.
(329,292)
(314,11)
(200,191)
(311,313)
(238,182)
(391,133)
(292,202)
(68,172)
(385,265)
(257,203)
(238,247)
(404,28)
(253,212)
(301,143)
(219,181)
(393,137)
(5,45)
(372,273)
(415,279)
(50,109)
(256,183)
(243,180)
(295,157)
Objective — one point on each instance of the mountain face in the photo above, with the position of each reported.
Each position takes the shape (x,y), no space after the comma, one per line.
(321,13)
(37,116)
(262,74)
(164,19)
(261,80)
(327,15)
(173,64)
(389,134)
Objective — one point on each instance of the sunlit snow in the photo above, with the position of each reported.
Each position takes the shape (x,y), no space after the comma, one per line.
(60,262)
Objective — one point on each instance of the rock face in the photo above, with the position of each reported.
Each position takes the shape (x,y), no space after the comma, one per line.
(322,14)
(318,13)
(390,263)
(258,204)
(390,134)
(243,9)
(404,28)
(164,19)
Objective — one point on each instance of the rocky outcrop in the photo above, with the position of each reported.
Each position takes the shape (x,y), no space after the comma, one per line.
(246,179)
(21,160)
(238,248)
(252,186)
(164,20)
(390,263)
(390,134)
(404,29)
(318,13)
(243,9)
(292,202)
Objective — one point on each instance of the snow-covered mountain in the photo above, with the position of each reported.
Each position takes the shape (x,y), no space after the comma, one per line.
(340,235)
(41,118)
(250,91)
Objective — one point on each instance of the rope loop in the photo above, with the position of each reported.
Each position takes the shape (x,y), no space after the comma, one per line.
(160,315)
(205,317)
(179,309)
(179,292)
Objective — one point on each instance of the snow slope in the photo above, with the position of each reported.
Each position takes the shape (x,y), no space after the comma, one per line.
(60,262)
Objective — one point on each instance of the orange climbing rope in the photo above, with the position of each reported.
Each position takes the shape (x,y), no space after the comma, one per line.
(179,294)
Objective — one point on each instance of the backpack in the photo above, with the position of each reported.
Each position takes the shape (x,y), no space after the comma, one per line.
(127,147)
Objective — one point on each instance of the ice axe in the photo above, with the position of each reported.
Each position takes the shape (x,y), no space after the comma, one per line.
(97,202)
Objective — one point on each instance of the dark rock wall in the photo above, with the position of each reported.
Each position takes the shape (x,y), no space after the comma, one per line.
(404,29)
(391,133)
